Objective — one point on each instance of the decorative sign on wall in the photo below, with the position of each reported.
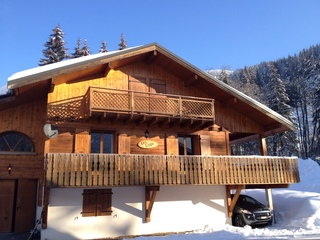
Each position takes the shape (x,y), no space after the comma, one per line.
(147,144)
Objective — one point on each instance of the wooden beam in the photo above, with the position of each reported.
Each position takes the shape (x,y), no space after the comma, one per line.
(150,193)
(232,202)
(116,117)
(263,145)
(46,196)
(51,88)
(265,186)
(107,70)
(110,66)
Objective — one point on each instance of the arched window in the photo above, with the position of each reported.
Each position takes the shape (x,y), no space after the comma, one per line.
(15,143)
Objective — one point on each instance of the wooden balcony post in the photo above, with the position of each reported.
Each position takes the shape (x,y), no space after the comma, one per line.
(263,145)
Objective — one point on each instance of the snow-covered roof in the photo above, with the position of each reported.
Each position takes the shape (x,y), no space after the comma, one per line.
(36,74)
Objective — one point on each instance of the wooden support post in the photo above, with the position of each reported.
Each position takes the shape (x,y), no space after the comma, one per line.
(151,192)
(270,201)
(268,191)
(46,196)
(263,145)
(232,202)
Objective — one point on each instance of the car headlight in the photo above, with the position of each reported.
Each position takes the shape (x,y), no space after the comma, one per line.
(246,211)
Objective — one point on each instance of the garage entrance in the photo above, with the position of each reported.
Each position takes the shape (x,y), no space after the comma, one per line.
(17,204)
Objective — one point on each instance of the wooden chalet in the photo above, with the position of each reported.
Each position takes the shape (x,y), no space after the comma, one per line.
(142,135)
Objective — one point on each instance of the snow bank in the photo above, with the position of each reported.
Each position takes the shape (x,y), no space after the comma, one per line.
(297,213)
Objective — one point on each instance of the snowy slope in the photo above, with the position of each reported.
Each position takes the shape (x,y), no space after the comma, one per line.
(3,90)
(297,212)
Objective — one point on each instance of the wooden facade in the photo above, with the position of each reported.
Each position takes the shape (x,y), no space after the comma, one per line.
(165,123)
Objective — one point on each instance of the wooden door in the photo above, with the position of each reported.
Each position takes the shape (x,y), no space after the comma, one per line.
(25,205)
(7,189)
(17,205)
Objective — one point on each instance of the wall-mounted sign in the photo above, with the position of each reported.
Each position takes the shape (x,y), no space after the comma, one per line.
(147,144)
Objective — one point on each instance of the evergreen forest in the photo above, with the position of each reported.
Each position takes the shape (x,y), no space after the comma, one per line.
(291,87)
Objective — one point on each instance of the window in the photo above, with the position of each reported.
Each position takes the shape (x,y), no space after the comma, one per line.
(15,142)
(96,202)
(189,145)
(101,142)
(186,146)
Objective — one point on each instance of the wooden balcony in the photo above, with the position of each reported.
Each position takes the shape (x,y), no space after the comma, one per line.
(93,170)
(131,106)
(153,107)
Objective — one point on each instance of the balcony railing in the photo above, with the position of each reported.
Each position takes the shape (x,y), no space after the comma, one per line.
(87,170)
(132,102)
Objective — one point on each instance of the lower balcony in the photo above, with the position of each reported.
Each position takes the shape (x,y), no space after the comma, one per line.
(94,170)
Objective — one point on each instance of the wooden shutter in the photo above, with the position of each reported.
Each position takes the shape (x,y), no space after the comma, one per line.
(205,145)
(89,203)
(158,86)
(97,202)
(104,202)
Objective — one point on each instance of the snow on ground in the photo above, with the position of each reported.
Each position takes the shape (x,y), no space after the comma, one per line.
(297,213)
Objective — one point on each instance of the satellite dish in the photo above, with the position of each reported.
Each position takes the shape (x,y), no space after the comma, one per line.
(50,131)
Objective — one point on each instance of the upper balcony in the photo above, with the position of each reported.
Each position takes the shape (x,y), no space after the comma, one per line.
(94,170)
(148,107)
(132,106)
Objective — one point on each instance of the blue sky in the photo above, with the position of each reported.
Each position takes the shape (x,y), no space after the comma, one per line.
(209,34)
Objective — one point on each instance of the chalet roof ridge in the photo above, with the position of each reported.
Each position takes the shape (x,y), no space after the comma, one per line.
(31,75)
(40,73)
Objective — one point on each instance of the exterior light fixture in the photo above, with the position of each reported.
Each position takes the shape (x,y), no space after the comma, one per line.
(146,133)
(9,169)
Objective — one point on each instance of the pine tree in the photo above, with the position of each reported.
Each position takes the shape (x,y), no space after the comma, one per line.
(77,50)
(224,75)
(284,143)
(103,47)
(316,122)
(85,50)
(123,43)
(55,50)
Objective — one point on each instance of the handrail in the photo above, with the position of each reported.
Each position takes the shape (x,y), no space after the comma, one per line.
(86,170)
(116,100)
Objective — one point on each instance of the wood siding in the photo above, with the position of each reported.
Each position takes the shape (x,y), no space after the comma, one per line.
(27,119)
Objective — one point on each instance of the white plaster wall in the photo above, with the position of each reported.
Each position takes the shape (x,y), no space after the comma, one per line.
(176,208)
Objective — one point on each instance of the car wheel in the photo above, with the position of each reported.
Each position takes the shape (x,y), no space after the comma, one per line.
(238,221)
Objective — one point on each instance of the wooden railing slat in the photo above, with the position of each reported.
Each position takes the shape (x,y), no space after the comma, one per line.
(86,170)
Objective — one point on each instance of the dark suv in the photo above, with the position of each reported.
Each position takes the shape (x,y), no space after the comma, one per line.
(248,211)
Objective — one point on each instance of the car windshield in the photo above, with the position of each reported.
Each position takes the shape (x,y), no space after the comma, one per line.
(246,200)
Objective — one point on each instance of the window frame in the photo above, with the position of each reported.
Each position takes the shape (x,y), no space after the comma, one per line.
(195,145)
(101,140)
(23,137)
